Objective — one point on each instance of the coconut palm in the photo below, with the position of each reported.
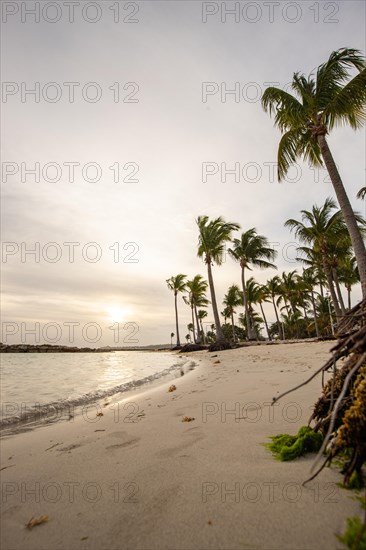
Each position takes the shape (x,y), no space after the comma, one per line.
(260,294)
(323,101)
(251,250)
(322,230)
(274,288)
(202,314)
(348,275)
(213,235)
(177,284)
(232,299)
(196,297)
(310,280)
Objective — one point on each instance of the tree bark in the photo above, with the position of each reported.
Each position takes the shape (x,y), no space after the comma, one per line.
(219,334)
(250,332)
(339,292)
(265,321)
(176,318)
(328,274)
(315,317)
(280,328)
(233,325)
(346,208)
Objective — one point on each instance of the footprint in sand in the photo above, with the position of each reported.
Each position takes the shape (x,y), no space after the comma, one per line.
(69,448)
(127,441)
(193,435)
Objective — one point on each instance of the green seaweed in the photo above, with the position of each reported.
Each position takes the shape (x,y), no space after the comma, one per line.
(289,447)
(354,536)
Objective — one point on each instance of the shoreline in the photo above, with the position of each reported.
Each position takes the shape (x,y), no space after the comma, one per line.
(67,409)
(140,478)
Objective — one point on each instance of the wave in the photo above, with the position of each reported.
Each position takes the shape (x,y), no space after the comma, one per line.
(65,408)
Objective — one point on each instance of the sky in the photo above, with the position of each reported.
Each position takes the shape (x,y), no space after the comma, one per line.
(122,122)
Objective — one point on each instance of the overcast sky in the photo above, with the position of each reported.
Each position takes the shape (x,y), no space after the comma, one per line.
(144,87)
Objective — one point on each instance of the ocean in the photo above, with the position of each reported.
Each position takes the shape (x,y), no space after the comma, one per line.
(39,386)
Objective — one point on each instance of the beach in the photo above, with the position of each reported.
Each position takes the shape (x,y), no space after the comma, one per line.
(133,475)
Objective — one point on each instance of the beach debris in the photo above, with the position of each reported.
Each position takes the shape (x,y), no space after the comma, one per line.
(100,414)
(209,522)
(36,521)
(105,404)
(288,447)
(99,430)
(340,412)
(188,419)
(53,446)
(142,413)
(172,388)
(84,538)
(4,467)
(218,361)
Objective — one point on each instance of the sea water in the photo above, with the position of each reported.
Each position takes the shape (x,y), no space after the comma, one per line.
(36,384)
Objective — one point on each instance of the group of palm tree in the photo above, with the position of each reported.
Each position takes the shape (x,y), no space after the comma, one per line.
(333,248)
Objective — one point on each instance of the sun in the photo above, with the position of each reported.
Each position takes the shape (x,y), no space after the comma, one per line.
(115,313)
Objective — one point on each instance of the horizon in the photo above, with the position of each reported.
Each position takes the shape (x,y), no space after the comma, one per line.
(123,130)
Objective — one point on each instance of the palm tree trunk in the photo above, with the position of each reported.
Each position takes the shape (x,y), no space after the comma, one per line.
(202,333)
(176,318)
(328,274)
(315,317)
(250,335)
(193,325)
(265,321)
(280,328)
(219,334)
(199,336)
(349,296)
(233,325)
(338,289)
(346,208)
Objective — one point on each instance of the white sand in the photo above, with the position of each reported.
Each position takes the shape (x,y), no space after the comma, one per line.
(154,482)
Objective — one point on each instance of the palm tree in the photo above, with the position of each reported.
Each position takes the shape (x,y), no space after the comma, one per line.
(197,288)
(348,275)
(274,289)
(251,249)
(322,230)
(260,294)
(310,280)
(232,299)
(213,235)
(177,284)
(322,102)
(202,314)
(196,297)
(361,193)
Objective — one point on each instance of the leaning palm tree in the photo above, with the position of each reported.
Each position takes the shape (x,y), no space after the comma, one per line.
(258,294)
(310,281)
(348,275)
(251,250)
(323,101)
(274,289)
(196,288)
(177,284)
(213,235)
(202,314)
(322,230)
(232,299)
